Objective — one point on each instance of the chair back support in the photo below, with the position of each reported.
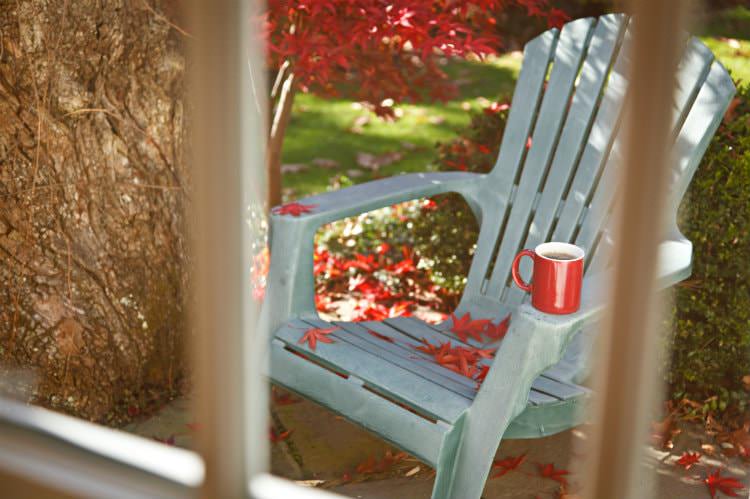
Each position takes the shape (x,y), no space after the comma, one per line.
(555,174)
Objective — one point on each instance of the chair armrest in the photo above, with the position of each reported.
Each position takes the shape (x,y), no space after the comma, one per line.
(336,205)
(290,281)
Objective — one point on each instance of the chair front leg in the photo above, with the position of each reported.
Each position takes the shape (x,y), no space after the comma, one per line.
(290,284)
(527,350)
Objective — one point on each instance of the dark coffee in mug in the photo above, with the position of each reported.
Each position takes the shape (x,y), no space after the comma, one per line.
(559,256)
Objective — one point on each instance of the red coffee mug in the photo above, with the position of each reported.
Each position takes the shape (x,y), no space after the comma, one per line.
(555,285)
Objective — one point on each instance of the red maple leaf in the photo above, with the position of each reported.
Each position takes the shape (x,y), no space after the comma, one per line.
(688,459)
(548,471)
(381,336)
(276,437)
(481,375)
(283,398)
(463,360)
(465,326)
(507,464)
(367,466)
(167,440)
(497,332)
(315,334)
(294,209)
(725,484)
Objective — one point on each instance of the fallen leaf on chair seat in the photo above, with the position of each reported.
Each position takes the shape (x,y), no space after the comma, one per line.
(381,336)
(507,464)
(483,370)
(549,471)
(497,332)
(314,335)
(688,459)
(294,209)
(465,326)
(460,359)
(725,484)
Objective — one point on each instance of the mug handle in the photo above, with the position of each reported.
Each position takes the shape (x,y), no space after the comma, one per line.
(516,274)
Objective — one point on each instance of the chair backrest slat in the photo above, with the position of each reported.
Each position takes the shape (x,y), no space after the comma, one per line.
(538,54)
(698,129)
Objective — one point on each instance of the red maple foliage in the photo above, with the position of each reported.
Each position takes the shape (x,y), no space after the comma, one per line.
(379,52)
(385,50)
(688,459)
(724,484)
(507,464)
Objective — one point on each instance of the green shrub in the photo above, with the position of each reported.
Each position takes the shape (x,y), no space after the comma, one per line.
(445,237)
(711,349)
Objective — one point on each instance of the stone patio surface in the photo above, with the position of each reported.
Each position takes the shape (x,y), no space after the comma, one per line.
(325,450)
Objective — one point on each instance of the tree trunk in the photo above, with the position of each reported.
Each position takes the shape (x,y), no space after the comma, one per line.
(92,187)
(281,116)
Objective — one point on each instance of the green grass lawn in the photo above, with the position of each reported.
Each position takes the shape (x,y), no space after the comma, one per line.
(333,129)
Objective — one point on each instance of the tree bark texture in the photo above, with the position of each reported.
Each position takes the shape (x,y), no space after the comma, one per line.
(93,182)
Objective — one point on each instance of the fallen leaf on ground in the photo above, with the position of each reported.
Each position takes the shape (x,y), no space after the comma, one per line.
(507,464)
(325,163)
(359,123)
(724,484)
(373,162)
(688,459)
(372,465)
(283,398)
(276,437)
(314,335)
(294,209)
(167,441)
(549,471)
(662,433)
(412,471)
(293,167)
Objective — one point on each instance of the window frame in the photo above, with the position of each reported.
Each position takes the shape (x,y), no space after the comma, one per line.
(45,451)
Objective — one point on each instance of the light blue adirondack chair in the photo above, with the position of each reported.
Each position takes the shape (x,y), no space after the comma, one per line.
(560,189)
